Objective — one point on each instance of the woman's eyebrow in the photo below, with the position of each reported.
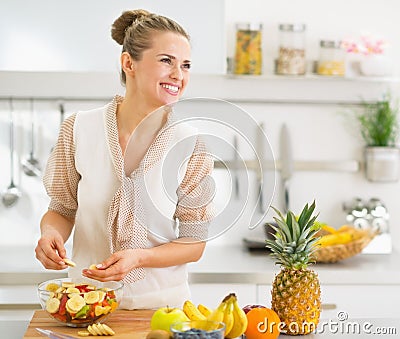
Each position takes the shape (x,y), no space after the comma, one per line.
(172,57)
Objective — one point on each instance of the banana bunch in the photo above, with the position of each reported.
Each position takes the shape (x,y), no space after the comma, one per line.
(228,311)
(342,235)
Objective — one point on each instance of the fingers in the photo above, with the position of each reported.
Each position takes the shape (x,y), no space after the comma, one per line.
(110,274)
(50,253)
(110,269)
(49,260)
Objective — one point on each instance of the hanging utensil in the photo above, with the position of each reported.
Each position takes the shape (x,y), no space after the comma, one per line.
(31,165)
(62,112)
(12,193)
(61,109)
(286,165)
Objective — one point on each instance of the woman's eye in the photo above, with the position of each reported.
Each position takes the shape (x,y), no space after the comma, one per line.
(186,66)
(166,60)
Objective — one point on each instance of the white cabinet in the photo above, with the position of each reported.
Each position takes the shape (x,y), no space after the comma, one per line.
(18,302)
(212,294)
(360,301)
(352,301)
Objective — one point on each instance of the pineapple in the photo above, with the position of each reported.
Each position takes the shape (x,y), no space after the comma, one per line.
(296,289)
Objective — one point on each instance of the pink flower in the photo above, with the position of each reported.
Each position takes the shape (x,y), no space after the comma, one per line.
(367,45)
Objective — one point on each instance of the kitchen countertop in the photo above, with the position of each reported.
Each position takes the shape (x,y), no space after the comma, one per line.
(354,328)
(219,264)
(222,264)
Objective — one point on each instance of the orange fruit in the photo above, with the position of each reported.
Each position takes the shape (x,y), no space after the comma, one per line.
(263,323)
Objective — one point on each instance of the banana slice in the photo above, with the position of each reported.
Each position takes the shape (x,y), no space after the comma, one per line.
(69,262)
(52,287)
(75,303)
(93,267)
(108,329)
(52,305)
(102,329)
(102,295)
(96,329)
(60,290)
(91,330)
(99,310)
(83,333)
(91,297)
(72,290)
(67,284)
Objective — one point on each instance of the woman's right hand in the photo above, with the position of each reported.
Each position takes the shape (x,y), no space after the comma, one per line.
(50,250)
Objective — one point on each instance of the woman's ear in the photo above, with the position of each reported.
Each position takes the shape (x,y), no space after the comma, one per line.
(127,63)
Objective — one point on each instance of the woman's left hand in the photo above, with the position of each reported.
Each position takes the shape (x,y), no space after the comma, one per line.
(116,267)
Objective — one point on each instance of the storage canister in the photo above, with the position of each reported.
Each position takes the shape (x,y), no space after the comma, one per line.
(331,58)
(292,55)
(248,52)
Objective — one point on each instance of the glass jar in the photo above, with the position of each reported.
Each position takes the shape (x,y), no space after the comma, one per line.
(292,56)
(331,58)
(248,53)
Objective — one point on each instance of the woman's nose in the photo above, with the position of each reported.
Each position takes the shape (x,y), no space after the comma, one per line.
(177,73)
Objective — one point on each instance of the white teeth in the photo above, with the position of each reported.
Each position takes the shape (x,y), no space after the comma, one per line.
(170,87)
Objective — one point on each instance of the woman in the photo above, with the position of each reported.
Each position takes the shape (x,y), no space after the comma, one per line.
(104,180)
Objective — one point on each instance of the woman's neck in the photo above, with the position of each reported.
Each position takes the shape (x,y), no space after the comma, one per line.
(144,122)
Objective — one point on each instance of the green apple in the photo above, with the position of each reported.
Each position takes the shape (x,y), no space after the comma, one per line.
(164,317)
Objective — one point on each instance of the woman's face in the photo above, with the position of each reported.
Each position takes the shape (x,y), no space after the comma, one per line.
(162,74)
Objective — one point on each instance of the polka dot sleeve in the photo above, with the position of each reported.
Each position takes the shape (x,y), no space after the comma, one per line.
(61,178)
(195,193)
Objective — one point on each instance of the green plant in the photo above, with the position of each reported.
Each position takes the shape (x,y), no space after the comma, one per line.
(379,123)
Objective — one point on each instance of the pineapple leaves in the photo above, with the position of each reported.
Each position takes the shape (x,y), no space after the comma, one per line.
(294,238)
(306,213)
(295,226)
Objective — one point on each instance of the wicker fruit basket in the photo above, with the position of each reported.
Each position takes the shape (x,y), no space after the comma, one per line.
(335,253)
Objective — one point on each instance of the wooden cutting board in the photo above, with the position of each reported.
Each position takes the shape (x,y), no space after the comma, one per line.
(126,324)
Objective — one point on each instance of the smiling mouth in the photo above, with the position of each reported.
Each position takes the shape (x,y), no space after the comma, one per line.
(171,88)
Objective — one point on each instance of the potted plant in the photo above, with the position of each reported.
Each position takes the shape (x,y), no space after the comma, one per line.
(379,128)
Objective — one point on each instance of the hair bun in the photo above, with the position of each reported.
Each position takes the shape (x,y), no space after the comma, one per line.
(127,18)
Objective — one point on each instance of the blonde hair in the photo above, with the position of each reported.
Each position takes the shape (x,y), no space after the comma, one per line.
(133,30)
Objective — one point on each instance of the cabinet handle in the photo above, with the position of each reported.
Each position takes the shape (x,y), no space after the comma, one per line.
(329,306)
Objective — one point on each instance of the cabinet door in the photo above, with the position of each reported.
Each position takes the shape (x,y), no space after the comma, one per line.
(18,302)
(360,301)
(352,301)
(212,294)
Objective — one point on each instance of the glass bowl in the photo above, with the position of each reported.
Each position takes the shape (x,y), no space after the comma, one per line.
(79,302)
(198,329)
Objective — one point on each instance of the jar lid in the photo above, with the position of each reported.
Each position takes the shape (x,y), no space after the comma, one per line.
(292,27)
(248,26)
(330,43)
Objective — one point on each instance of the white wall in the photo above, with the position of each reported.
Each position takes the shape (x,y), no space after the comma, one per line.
(318,132)
(74,35)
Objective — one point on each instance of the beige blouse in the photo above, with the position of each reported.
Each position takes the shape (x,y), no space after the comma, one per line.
(64,179)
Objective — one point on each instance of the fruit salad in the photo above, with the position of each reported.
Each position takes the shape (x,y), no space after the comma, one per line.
(77,304)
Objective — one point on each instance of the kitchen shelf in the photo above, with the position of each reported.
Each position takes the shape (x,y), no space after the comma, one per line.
(290,90)
(264,89)
(316,77)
